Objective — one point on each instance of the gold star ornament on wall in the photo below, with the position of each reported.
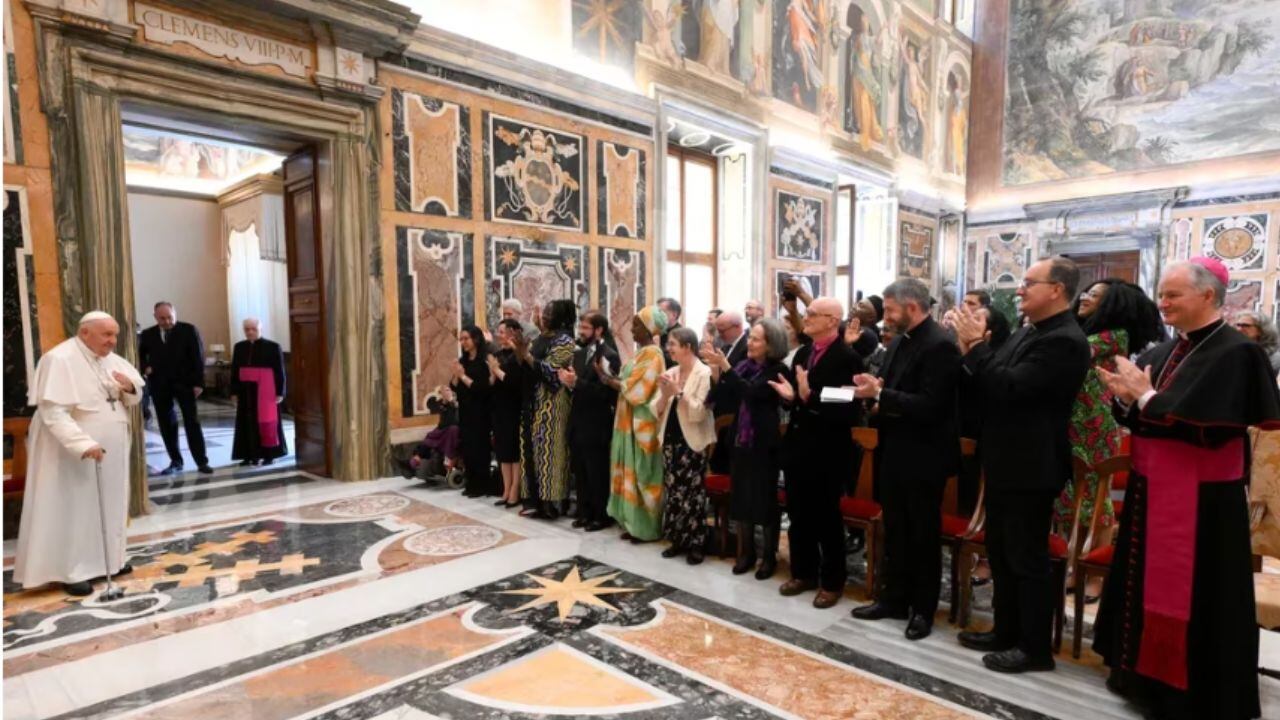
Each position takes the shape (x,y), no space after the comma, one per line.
(568,592)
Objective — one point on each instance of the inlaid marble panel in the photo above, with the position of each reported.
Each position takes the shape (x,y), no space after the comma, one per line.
(437,299)
(12,120)
(620,177)
(622,291)
(21,330)
(534,273)
(799,226)
(1007,257)
(915,250)
(534,175)
(431,141)
(1243,295)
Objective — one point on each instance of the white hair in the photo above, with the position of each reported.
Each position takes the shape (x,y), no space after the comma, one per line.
(253,320)
(513,304)
(1202,279)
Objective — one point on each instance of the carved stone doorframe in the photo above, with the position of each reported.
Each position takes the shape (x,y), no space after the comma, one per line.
(86,77)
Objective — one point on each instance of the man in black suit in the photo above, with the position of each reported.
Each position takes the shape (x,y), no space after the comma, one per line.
(1028,388)
(818,454)
(915,401)
(730,332)
(171,357)
(591,419)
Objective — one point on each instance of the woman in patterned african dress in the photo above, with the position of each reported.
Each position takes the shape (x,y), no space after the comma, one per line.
(635,455)
(1119,319)
(547,457)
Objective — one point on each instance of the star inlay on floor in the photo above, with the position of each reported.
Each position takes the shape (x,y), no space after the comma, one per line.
(570,591)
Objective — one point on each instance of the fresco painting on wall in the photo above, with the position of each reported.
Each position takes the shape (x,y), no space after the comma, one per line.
(915,251)
(1100,86)
(535,174)
(621,293)
(1242,295)
(1239,242)
(799,226)
(717,26)
(436,300)
(152,157)
(535,273)
(913,95)
(956,114)
(800,32)
(607,30)
(431,140)
(620,174)
(864,111)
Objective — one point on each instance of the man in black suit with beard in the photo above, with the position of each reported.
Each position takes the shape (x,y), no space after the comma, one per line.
(915,412)
(171,358)
(1028,388)
(591,419)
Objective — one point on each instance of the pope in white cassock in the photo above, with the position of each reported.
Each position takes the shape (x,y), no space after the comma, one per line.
(82,393)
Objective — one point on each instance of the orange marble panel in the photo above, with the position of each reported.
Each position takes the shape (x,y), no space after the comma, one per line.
(777,674)
(316,681)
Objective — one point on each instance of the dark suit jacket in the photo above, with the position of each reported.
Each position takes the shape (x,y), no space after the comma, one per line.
(176,362)
(727,401)
(591,414)
(917,408)
(819,439)
(1028,388)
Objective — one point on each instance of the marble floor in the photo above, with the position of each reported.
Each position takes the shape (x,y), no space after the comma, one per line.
(279,595)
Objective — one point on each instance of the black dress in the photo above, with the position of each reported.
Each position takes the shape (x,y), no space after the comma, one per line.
(508,396)
(754,468)
(247,444)
(474,424)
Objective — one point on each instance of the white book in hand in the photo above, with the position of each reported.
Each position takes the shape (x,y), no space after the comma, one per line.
(836,395)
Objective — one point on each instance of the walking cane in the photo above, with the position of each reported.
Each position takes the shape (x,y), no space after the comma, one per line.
(112,592)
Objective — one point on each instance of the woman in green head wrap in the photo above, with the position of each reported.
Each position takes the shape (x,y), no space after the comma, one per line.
(636,465)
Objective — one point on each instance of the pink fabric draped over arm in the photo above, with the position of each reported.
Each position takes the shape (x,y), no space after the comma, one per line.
(268,414)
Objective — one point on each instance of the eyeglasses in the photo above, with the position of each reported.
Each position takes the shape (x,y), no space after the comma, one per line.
(1026,284)
(811,313)
(1243,325)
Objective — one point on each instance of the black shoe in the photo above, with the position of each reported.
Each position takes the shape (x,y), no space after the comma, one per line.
(594,526)
(984,641)
(580,522)
(173,469)
(538,515)
(79,589)
(744,564)
(672,551)
(919,628)
(767,568)
(1015,661)
(500,503)
(268,461)
(879,611)
(694,557)
(205,469)
(471,493)
(124,570)
(246,463)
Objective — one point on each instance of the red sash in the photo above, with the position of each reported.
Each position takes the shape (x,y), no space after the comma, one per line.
(1174,472)
(268,418)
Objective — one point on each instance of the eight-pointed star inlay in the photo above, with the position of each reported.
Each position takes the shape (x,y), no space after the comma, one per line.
(566,593)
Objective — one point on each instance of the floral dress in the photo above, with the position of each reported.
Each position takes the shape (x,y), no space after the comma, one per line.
(635,454)
(1094,433)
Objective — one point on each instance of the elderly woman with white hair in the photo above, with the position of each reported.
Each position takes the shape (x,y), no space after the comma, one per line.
(1259,328)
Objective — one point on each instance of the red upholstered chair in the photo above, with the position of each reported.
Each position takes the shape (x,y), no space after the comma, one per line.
(957,528)
(718,486)
(860,512)
(1086,557)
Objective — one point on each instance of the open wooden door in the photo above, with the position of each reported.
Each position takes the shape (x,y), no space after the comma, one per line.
(309,357)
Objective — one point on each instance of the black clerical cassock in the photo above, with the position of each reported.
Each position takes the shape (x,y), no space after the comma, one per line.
(254,364)
(1177,618)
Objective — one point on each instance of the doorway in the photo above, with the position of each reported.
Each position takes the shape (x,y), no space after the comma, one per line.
(1100,266)
(223,224)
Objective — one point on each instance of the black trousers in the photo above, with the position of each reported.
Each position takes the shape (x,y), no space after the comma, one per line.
(167,417)
(817,530)
(476,455)
(1018,549)
(590,461)
(912,541)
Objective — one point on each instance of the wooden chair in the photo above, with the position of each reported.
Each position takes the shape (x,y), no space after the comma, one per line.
(860,511)
(1086,556)
(719,486)
(957,528)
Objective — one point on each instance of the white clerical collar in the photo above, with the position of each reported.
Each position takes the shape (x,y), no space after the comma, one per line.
(87,350)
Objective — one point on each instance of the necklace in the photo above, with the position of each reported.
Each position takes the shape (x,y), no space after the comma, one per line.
(104,380)
(1186,357)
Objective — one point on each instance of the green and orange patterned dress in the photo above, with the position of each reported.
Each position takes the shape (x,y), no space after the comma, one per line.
(635,456)
(1095,435)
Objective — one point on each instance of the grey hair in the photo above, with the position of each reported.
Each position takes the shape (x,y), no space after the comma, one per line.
(1268,337)
(775,338)
(1063,270)
(684,336)
(513,304)
(908,290)
(1202,279)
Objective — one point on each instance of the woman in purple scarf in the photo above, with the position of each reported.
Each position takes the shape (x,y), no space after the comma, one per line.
(757,441)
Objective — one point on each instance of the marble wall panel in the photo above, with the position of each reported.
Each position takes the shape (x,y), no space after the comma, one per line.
(1243,295)
(21,328)
(437,291)
(535,175)
(620,196)
(799,226)
(431,140)
(1240,242)
(12,120)
(621,275)
(534,273)
(1007,257)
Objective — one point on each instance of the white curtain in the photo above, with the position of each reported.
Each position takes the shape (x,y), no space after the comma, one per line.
(256,288)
